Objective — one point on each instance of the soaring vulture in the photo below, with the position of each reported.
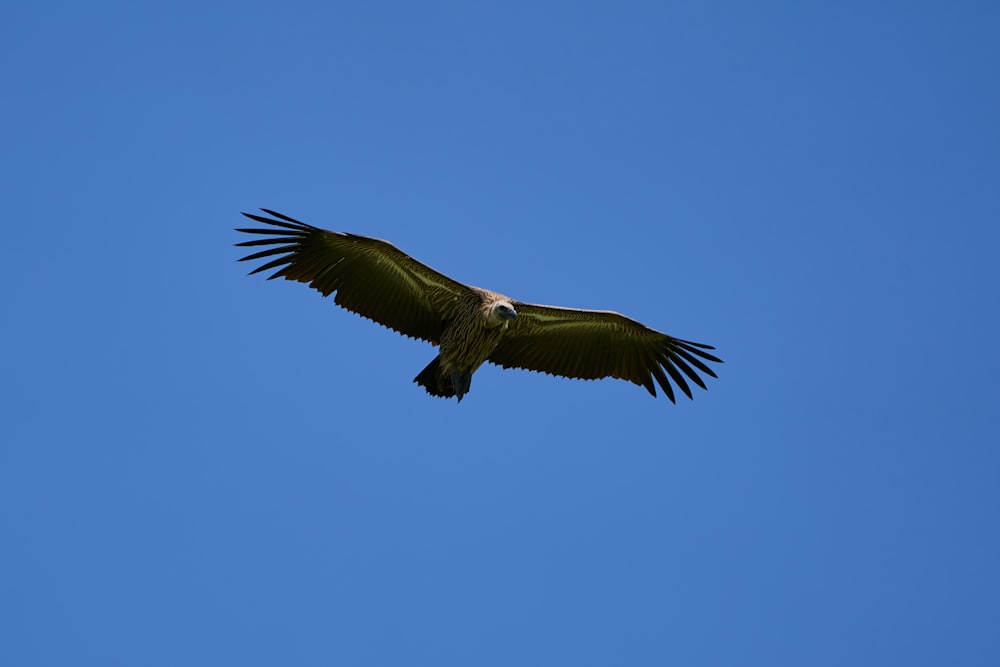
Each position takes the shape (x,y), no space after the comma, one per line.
(378,281)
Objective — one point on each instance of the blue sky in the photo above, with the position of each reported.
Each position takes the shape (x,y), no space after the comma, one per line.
(202,468)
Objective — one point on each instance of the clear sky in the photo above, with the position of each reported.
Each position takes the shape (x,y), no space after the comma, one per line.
(203,468)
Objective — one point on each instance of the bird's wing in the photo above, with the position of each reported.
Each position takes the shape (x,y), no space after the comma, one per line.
(592,344)
(370,277)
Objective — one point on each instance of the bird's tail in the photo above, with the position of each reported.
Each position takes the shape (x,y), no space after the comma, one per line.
(429,379)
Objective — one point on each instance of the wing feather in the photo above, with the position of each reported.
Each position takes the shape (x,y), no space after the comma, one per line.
(367,276)
(592,344)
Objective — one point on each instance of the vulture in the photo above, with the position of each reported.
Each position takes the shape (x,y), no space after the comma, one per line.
(469,325)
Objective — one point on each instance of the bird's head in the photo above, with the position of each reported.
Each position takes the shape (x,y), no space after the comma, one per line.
(502,312)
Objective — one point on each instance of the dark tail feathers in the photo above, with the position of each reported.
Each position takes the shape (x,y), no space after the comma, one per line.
(428,379)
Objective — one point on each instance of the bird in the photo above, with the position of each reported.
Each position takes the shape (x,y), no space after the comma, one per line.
(469,325)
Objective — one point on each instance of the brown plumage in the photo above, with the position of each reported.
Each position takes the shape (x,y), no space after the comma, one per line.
(377,280)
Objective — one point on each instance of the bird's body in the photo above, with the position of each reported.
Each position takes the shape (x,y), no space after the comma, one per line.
(470,325)
(467,340)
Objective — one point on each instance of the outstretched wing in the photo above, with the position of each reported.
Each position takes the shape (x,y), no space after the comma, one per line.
(370,277)
(592,344)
